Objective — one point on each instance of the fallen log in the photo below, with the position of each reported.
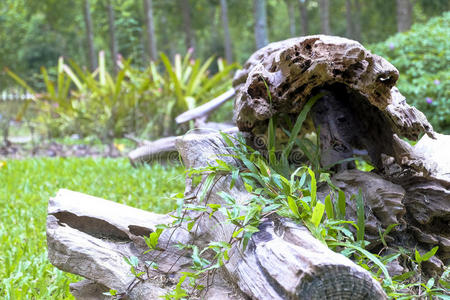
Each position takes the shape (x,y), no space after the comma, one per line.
(205,109)
(89,236)
(164,150)
(161,150)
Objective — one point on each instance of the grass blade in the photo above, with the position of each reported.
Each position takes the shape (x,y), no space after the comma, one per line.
(360,216)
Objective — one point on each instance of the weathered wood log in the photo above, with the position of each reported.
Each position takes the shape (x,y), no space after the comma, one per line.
(89,236)
(361,111)
(205,109)
(163,150)
(293,69)
(283,260)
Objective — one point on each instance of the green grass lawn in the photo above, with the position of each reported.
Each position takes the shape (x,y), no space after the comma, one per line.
(26,186)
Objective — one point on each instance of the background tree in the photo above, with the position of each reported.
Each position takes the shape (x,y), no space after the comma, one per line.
(92,57)
(356,20)
(404,15)
(349,19)
(151,38)
(325,16)
(112,36)
(226,31)
(292,20)
(35,33)
(304,16)
(259,10)
(187,24)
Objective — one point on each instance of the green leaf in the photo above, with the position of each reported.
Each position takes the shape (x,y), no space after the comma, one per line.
(293,206)
(385,233)
(341,205)
(430,283)
(404,276)
(250,229)
(417,256)
(369,255)
(329,207)
(430,253)
(313,187)
(271,142)
(237,232)
(317,214)
(299,122)
(190,225)
(132,261)
(361,222)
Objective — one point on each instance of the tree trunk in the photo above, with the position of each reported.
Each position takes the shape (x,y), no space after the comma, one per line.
(226,32)
(357,20)
(187,24)
(349,32)
(149,24)
(325,16)
(92,58)
(166,40)
(112,36)
(404,15)
(292,20)
(304,16)
(259,10)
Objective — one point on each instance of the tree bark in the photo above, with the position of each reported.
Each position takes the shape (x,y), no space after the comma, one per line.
(292,20)
(92,58)
(349,30)
(325,16)
(259,12)
(187,24)
(226,32)
(304,16)
(404,15)
(150,29)
(112,36)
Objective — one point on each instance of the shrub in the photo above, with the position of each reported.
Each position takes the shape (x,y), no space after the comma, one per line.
(133,101)
(422,56)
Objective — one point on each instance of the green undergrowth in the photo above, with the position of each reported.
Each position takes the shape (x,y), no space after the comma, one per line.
(25,187)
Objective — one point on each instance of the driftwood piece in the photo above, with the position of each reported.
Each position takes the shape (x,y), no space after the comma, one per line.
(163,150)
(160,150)
(361,112)
(205,109)
(283,260)
(89,236)
(293,69)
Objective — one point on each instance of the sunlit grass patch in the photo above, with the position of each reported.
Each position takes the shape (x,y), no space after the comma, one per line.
(25,187)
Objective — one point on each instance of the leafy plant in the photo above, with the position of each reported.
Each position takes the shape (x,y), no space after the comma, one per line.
(133,101)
